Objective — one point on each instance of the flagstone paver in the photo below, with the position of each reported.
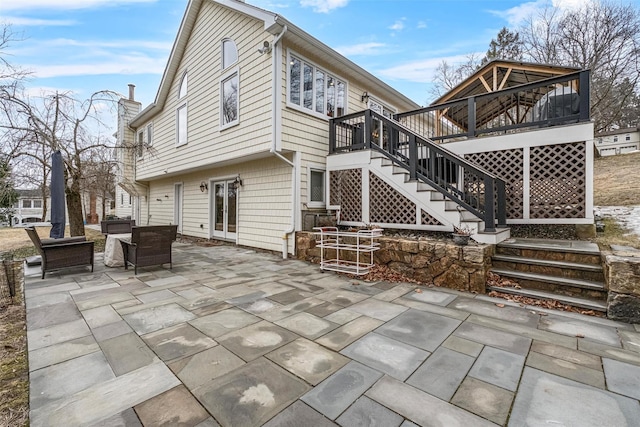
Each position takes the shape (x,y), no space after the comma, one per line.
(340,390)
(232,336)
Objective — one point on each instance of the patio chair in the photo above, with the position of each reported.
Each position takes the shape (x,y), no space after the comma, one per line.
(117,226)
(149,245)
(57,254)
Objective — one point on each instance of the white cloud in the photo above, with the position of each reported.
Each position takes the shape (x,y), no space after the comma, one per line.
(518,14)
(371,48)
(398,25)
(420,71)
(422,24)
(63,4)
(118,65)
(32,22)
(323,6)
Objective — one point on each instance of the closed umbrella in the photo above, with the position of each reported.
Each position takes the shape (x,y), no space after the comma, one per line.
(58,218)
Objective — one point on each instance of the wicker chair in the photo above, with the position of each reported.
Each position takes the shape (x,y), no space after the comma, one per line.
(149,245)
(57,254)
(117,226)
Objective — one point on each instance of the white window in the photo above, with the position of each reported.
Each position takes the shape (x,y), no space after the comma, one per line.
(615,139)
(312,89)
(229,86)
(316,186)
(121,199)
(149,134)
(627,137)
(181,113)
(26,204)
(229,53)
(37,204)
(140,144)
(229,107)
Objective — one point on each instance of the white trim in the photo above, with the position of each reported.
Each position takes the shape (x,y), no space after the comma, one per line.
(526,183)
(223,78)
(178,205)
(312,111)
(235,46)
(588,204)
(177,124)
(318,168)
(366,189)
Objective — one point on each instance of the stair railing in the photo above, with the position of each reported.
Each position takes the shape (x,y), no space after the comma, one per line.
(475,189)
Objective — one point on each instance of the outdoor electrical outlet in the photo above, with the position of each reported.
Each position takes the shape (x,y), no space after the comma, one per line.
(201,225)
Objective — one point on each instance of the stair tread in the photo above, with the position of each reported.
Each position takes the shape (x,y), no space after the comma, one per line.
(550,263)
(572,246)
(573,301)
(585,284)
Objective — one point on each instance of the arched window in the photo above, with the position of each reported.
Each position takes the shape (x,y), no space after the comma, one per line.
(229,53)
(183,87)
(181,113)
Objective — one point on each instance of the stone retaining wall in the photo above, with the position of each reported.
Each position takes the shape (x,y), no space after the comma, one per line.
(622,272)
(436,262)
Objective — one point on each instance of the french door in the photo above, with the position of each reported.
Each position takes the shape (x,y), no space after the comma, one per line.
(224,209)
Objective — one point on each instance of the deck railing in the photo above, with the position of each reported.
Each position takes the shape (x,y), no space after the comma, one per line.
(473,188)
(554,101)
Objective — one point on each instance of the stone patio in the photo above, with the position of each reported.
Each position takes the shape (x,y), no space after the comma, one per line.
(236,337)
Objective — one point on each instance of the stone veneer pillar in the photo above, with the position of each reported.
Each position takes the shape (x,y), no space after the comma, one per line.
(622,273)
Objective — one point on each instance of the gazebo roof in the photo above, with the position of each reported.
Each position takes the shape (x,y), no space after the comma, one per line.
(501,74)
(498,75)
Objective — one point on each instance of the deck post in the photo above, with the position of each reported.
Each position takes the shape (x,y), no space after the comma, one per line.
(489,205)
(471,114)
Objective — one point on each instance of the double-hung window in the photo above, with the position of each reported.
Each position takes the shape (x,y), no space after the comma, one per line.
(314,90)
(181,113)
(229,85)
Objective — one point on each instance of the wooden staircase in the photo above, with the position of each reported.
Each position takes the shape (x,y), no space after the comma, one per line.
(567,271)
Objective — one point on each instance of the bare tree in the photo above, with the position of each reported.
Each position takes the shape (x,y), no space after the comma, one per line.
(100,175)
(601,36)
(58,122)
(447,76)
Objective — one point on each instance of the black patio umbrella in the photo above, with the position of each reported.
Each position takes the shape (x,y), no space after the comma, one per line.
(58,218)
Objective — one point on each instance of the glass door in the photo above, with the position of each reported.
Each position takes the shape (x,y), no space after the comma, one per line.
(224,208)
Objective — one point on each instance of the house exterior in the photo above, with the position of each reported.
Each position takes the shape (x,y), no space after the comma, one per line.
(30,206)
(619,141)
(234,145)
(256,126)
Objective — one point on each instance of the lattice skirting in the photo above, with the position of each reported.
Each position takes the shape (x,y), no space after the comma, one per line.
(345,189)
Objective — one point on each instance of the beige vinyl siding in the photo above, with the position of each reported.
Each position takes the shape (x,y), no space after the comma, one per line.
(202,61)
(264,202)
(307,133)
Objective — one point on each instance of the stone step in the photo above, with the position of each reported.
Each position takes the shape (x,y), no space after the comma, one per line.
(554,250)
(587,303)
(575,270)
(555,284)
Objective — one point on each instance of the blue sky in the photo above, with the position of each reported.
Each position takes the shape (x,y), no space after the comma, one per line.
(90,45)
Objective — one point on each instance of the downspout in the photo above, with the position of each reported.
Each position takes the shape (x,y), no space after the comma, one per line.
(276,133)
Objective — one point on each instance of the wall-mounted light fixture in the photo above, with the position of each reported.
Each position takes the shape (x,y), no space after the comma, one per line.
(203,186)
(266,47)
(238,181)
(365,97)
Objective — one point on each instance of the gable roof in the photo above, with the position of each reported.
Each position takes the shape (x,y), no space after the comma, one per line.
(502,74)
(273,24)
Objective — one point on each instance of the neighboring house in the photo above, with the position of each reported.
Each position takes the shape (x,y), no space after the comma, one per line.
(30,205)
(28,208)
(619,141)
(257,124)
